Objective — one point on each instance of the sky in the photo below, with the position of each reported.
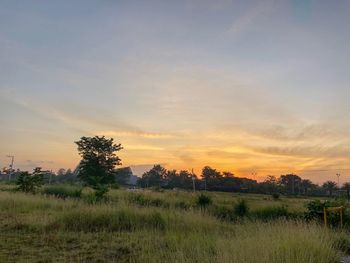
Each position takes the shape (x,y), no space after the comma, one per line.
(252,87)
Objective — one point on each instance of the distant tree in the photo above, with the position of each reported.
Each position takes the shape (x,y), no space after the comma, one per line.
(291,183)
(96,168)
(306,185)
(154,177)
(330,186)
(346,186)
(173,179)
(228,174)
(122,175)
(270,184)
(211,177)
(29,183)
(61,172)
(186,179)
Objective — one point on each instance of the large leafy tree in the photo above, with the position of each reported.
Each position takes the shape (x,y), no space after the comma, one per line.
(96,168)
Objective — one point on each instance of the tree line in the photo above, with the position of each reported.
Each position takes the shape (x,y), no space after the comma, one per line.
(97,169)
(213,180)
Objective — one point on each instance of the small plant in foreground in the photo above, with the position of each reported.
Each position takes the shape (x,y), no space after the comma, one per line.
(241,208)
(276,196)
(204,201)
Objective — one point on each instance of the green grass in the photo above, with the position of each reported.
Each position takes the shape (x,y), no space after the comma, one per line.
(162,227)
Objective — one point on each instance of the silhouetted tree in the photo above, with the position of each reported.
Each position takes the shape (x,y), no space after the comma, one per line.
(346,186)
(210,177)
(330,186)
(154,177)
(96,168)
(61,172)
(228,174)
(270,184)
(306,185)
(27,182)
(291,183)
(122,175)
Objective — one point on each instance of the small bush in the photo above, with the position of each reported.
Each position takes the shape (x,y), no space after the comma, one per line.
(63,191)
(203,201)
(29,183)
(271,213)
(276,196)
(241,208)
(100,192)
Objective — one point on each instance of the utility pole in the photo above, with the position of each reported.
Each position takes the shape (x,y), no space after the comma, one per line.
(338,175)
(193,182)
(11,165)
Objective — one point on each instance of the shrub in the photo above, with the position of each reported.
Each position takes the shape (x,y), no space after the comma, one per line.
(63,191)
(276,196)
(203,201)
(29,183)
(100,192)
(315,210)
(241,208)
(271,213)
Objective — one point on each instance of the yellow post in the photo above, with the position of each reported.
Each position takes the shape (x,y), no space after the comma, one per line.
(325,216)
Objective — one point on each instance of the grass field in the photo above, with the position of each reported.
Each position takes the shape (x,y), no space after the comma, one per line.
(152,226)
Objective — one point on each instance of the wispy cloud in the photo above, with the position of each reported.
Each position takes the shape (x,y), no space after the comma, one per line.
(244,22)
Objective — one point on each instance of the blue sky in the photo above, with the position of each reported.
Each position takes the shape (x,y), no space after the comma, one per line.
(240,85)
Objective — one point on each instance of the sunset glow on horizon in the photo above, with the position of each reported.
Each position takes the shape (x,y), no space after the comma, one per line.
(256,88)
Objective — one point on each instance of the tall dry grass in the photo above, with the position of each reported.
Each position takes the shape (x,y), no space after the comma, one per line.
(38,228)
